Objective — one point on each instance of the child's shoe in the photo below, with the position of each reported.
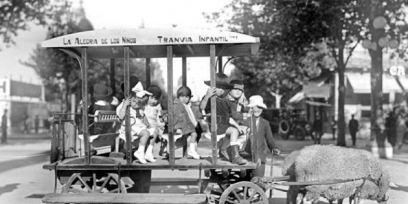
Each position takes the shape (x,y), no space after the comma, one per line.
(140,156)
(150,158)
(192,151)
(149,154)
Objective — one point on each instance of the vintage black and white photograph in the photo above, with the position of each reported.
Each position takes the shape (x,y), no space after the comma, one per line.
(204,101)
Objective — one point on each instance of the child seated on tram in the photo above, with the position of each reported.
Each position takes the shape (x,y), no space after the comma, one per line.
(140,128)
(186,120)
(225,123)
(154,114)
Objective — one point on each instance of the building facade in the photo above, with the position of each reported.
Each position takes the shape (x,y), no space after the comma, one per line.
(24,102)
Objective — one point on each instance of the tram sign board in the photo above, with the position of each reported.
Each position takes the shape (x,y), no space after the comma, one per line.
(140,37)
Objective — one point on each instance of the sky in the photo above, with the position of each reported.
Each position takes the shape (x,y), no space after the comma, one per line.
(120,14)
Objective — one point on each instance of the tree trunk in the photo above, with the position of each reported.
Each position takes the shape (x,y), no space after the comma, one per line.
(376,78)
(341,139)
(278,98)
(376,93)
(278,101)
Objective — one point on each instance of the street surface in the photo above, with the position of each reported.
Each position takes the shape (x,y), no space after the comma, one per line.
(24,181)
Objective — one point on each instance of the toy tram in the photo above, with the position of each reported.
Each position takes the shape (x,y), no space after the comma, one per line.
(98,173)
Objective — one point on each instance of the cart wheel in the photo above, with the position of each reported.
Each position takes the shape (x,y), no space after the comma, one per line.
(284,127)
(94,183)
(54,153)
(245,193)
(300,133)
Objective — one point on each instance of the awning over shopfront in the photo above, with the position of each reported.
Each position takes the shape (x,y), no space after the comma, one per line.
(297,97)
(311,91)
(316,91)
(361,83)
(315,103)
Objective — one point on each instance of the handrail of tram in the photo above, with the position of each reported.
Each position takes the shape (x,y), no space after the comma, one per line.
(153,43)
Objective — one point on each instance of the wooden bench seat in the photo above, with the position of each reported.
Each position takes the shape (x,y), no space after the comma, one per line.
(134,198)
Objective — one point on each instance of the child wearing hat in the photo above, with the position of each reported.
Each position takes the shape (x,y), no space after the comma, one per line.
(140,128)
(262,131)
(186,119)
(239,111)
(101,95)
(225,123)
(238,100)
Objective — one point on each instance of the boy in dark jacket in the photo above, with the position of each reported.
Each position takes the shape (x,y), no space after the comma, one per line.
(225,123)
(261,131)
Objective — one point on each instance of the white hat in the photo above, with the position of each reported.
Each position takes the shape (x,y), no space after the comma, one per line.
(140,92)
(256,100)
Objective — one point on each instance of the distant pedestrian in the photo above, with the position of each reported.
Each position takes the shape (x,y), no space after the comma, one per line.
(333,125)
(25,123)
(390,128)
(317,129)
(401,129)
(36,124)
(353,127)
(4,127)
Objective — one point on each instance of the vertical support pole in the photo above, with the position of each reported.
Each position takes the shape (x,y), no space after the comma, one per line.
(184,71)
(213,108)
(220,65)
(112,76)
(148,73)
(127,119)
(254,151)
(84,73)
(170,102)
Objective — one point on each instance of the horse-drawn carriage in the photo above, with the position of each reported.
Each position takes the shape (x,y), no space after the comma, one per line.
(91,167)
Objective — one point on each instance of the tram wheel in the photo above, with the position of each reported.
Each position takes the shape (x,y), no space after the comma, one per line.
(94,183)
(243,192)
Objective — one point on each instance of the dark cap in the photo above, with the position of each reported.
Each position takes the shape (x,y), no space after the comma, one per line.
(221,81)
(238,84)
(155,91)
(133,80)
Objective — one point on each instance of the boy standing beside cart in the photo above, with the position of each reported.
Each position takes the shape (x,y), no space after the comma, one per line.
(262,131)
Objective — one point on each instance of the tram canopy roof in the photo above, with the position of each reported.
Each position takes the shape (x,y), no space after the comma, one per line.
(152,43)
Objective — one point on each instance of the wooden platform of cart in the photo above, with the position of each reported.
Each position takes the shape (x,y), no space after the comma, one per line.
(136,198)
(109,163)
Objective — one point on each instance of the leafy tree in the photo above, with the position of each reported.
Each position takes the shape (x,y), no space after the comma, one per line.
(280,65)
(60,72)
(290,29)
(56,68)
(17,15)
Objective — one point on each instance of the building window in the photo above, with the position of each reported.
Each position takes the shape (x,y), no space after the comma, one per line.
(366,113)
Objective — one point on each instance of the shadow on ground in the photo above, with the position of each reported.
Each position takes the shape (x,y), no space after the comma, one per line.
(8,188)
(26,161)
(400,188)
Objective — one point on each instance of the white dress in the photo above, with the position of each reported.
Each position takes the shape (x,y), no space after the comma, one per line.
(137,123)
